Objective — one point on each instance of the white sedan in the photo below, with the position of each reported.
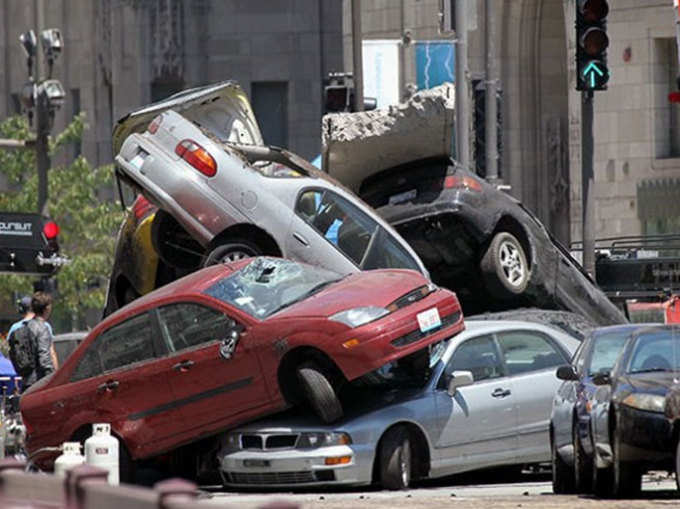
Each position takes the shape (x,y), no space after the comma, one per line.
(481,399)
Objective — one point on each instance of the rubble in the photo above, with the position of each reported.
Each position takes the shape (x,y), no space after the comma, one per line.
(358,144)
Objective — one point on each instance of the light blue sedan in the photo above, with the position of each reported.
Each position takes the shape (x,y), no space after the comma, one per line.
(480,399)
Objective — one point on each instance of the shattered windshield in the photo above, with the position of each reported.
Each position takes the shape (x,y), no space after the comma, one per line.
(268,285)
(411,372)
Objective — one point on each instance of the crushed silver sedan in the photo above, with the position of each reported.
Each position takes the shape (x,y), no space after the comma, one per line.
(480,399)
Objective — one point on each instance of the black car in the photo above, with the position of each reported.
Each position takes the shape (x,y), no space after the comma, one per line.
(29,244)
(481,242)
(635,412)
(570,439)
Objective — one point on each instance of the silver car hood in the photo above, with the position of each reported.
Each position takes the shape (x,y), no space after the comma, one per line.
(222,108)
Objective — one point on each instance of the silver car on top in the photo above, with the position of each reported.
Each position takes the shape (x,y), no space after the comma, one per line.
(199,156)
(480,399)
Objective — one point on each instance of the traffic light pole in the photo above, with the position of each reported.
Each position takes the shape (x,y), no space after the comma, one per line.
(587,177)
(42,149)
(357,56)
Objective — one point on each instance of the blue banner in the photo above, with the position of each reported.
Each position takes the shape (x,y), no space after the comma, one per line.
(435,63)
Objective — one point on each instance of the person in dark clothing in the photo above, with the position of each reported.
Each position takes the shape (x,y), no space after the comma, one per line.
(41,304)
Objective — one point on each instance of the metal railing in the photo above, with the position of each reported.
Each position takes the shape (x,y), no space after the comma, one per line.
(86,487)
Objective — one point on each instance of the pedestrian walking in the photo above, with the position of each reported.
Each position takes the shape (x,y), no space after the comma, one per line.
(30,343)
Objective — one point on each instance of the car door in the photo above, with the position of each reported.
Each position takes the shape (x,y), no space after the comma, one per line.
(215,384)
(479,421)
(119,379)
(314,230)
(565,398)
(531,358)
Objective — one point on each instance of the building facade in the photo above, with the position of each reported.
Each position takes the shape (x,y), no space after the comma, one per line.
(121,54)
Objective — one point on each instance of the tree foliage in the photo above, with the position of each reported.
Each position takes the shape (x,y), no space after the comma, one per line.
(88,223)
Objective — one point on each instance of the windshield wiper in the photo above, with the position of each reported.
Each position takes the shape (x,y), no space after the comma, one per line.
(650,370)
(308,293)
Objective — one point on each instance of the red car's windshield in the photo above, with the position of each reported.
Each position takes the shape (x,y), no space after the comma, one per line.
(267,285)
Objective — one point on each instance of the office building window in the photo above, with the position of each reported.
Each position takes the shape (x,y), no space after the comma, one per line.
(666,114)
(270,103)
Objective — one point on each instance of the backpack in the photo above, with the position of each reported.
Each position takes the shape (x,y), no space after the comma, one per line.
(22,350)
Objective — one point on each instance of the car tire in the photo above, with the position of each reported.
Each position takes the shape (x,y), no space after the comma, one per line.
(627,478)
(505,267)
(126,467)
(583,477)
(236,249)
(320,394)
(562,474)
(395,459)
(677,465)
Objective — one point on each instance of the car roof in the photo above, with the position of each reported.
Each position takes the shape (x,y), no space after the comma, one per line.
(481,326)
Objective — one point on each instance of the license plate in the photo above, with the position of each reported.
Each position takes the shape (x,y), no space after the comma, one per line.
(138,160)
(428,320)
(256,463)
(401,197)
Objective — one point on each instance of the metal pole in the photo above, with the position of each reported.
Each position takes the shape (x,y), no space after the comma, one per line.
(677,38)
(462,103)
(41,149)
(357,57)
(490,107)
(587,176)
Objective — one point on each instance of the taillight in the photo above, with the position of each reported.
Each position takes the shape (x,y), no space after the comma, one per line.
(469,183)
(141,207)
(197,156)
(153,126)
(51,230)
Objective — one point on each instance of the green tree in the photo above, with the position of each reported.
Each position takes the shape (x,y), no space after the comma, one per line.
(88,222)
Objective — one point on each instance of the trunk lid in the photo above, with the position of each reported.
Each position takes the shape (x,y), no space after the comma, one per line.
(222,108)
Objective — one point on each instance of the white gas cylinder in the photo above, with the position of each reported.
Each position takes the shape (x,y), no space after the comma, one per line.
(101,450)
(70,457)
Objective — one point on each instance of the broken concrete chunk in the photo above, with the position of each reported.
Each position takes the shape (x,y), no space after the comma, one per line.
(357,145)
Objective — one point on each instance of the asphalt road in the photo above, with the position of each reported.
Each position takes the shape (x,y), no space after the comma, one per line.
(531,491)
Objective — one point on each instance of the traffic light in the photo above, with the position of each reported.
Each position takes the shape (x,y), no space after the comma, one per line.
(591,45)
(339,94)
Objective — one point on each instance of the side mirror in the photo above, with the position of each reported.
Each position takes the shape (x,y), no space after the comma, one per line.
(228,345)
(566,372)
(602,377)
(459,379)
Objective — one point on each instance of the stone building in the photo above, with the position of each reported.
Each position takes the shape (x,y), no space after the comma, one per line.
(121,54)
(637,131)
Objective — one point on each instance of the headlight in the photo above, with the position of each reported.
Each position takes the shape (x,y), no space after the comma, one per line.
(322,439)
(233,441)
(648,402)
(359,316)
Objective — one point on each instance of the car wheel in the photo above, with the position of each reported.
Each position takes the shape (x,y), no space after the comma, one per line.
(562,474)
(582,475)
(627,475)
(232,251)
(505,267)
(395,459)
(319,393)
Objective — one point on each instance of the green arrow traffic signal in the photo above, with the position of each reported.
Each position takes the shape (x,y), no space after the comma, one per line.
(594,75)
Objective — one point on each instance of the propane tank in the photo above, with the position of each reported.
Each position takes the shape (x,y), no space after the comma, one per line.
(101,450)
(70,457)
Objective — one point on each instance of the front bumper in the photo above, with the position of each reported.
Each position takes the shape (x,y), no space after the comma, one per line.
(646,437)
(296,467)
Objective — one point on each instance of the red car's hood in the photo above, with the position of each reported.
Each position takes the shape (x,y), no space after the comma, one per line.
(370,288)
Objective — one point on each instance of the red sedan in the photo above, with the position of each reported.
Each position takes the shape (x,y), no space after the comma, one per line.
(231,343)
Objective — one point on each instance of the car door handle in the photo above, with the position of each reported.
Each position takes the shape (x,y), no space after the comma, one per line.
(108,386)
(301,239)
(183,366)
(501,393)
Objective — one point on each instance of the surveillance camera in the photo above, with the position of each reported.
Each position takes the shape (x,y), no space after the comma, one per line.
(51,42)
(29,43)
(55,93)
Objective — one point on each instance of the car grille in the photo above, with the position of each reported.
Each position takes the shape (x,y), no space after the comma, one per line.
(261,441)
(263,478)
(410,298)
(416,335)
